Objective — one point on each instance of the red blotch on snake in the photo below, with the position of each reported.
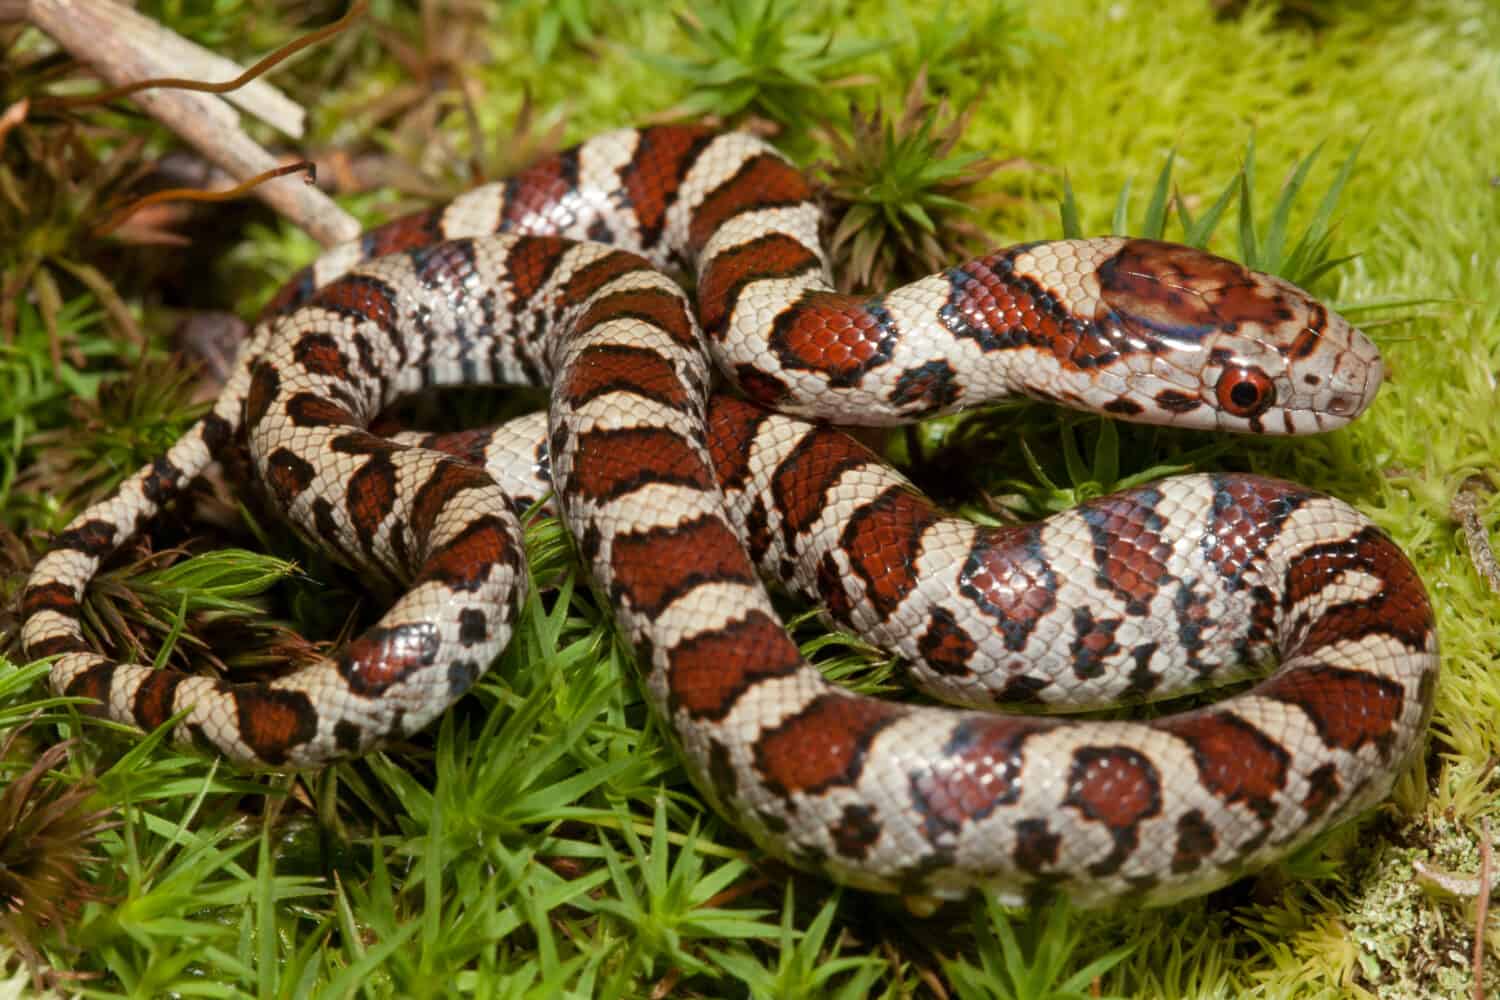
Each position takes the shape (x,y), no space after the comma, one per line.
(655,566)
(822,745)
(709,671)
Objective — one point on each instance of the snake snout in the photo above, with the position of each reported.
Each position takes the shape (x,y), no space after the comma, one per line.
(1354,392)
(1352,384)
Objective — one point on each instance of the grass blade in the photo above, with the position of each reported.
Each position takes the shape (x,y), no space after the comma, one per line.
(1156,212)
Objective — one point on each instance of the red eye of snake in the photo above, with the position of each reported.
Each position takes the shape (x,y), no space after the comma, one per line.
(1246,392)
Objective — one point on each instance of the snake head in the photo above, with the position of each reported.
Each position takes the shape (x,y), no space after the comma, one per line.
(1228,348)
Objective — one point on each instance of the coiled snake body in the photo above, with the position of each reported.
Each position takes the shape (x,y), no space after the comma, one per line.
(1187,581)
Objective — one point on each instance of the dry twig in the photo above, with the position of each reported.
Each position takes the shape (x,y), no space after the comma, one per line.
(13,116)
(1465,510)
(125,48)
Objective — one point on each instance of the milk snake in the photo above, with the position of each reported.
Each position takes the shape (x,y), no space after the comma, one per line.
(674,504)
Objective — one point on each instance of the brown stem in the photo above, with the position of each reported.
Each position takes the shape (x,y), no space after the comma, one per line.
(183,83)
(114,222)
(123,47)
(1482,906)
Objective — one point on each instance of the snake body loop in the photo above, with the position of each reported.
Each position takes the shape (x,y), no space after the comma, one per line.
(680,498)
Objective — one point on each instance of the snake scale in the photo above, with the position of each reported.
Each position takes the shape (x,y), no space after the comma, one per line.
(681,497)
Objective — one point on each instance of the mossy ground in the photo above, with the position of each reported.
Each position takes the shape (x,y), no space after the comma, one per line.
(520,856)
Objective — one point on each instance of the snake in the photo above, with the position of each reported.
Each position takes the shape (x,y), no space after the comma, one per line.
(690,446)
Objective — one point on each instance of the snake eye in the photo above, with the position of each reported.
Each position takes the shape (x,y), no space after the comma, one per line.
(1246,392)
